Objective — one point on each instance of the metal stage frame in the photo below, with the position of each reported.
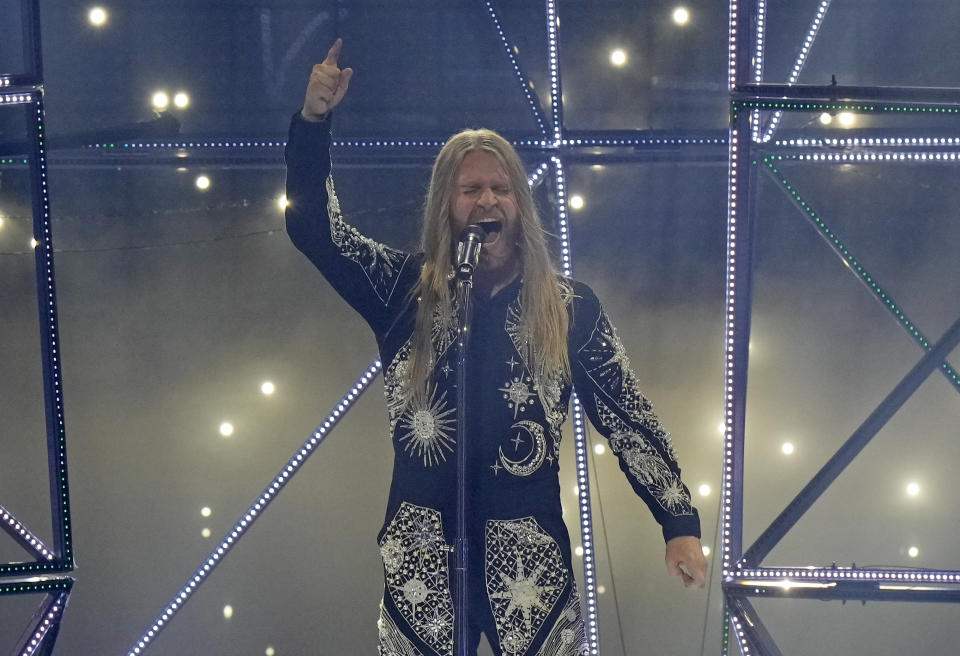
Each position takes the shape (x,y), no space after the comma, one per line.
(749,147)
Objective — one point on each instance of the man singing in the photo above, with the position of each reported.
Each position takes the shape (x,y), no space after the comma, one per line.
(533,335)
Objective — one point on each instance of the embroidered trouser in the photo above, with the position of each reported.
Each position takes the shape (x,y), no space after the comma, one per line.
(522,593)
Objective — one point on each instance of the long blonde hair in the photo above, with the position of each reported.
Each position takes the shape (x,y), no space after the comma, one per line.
(543,318)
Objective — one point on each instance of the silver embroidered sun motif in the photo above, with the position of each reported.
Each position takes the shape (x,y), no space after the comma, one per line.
(644,462)
(419,586)
(427,427)
(525,577)
(381,264)
(518,394)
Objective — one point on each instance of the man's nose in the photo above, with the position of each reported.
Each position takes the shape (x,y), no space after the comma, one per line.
(487,198)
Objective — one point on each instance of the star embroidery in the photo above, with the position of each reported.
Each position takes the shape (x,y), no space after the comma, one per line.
(518,395)
(513,363)
(523,593)
(446,369)
(496,468)
(517,441)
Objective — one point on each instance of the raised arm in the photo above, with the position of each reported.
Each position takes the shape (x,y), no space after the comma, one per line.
(611,397)
(365,273)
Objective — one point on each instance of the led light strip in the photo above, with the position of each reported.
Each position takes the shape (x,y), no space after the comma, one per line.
(16,98)
(732,46)
(741,635)
(798,64)
(874,157)
(538,174)
(869,141)
(51,618)
(347,143)
(835,574)
(255,510)
(524,83)
(758,61)
(580,443)
(556,97)
(24,536)
(642,141)
(728,420)
(857,268)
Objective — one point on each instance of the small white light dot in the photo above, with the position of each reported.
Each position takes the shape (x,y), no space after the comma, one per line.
(787,448)
(205,511)
(160,100)
(913,489)
(270,651)
(847,119)
(181,99)
(681,16)
(226,429)
(282,202)
(227,611)
(267,388)
(601,589)
(599,449)
(576,202)
(825,118)
(578,551)
(97,16)
(618,57)
(205,533)
(721,428)
(913,552)
(706,550)
(704,490)
(33,242)
(203,182)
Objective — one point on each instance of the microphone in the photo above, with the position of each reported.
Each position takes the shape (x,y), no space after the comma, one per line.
(468,250)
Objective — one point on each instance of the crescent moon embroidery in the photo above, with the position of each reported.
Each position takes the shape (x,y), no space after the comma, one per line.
(538,452)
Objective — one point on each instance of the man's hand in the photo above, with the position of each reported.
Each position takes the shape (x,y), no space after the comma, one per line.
(685,559)
(327,85)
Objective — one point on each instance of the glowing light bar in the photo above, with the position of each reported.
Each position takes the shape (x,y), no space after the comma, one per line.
(16,98)
(51,619)
(785,584)
(23,536)
(524,83)
(556,98)
(869,141)
(643,141)
(899,156)
(798,64)
(765,575)
(758,53)
(256,509)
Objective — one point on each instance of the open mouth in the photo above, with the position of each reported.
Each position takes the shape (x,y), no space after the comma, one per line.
(492,228)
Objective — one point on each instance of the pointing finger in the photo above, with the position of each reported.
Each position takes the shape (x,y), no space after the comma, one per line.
(334,53)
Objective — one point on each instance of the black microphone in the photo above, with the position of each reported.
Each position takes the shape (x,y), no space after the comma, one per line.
(468,250)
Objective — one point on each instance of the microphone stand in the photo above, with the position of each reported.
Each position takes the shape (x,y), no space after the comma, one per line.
(468,253)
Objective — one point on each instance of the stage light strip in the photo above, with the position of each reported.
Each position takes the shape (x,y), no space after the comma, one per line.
(525,84)
(534,178)
(643,141)
(52,615)
(798,577)
(758,53)
(16,98)
(874,157)
(798,64)
(256,509)
(23,535)
(741,635)
(580,442)
(857,268)
(852,142)
(732,46)
(556,96)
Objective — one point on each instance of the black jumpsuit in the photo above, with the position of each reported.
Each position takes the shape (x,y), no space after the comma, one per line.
(520,582)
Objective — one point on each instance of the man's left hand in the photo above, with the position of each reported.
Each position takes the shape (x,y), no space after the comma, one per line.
(685,559)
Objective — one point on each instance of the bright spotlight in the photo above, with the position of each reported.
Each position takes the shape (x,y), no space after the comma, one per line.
(226,429)
(913,552)
(787,448)
(33,242)
(704,490)
(578,551)
(270,651)
(601,589)
(913,489)
(227,611)
(681,16)
(846,119)
(721,428)
(282,202)
(160,100)
(706,550)
(576,202)
(205,532)
(267,388)
(825,118)
(599,449)
(202,182)
(1,221)
(97,16)
(205,511)
(618,57)
(181,99)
